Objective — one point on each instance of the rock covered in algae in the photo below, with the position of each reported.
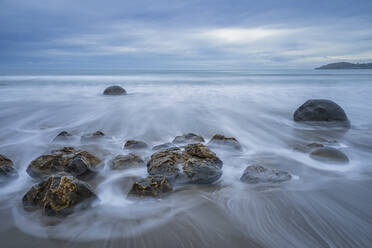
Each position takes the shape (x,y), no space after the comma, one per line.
(58,195)
(7,169)
(153,186)
(131,160)
(220,140)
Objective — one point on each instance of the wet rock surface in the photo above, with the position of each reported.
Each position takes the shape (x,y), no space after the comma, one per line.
(75,162)
(163,147)
(114,90)
(255,174)
(93,137)
(7,169)
(195,164)
(131,160)
(135,144)
(154,186)
(321,110)
(63,136)
(329,154)
(219,140)
(189,138)
(58,195)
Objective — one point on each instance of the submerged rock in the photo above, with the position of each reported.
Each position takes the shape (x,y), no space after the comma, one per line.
(195,164)
(135,144)
(320,110)
(63,136)
(329,154)
(222,141)
(77,163)
(255,174)
(131,160)
(307,147)
(6,168)
(154,186)
(93,137)
(114,91)
(189,138)
(163,147)
(58,195)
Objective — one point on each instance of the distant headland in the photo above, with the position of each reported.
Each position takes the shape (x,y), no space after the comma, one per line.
(345,65)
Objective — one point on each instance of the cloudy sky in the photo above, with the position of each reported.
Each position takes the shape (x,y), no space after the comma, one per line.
(188,34)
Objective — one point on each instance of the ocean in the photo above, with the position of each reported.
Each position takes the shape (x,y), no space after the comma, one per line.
(323,205)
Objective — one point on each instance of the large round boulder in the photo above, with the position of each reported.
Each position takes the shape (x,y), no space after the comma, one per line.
(114,91)
(58,195)
(329,154)
(78,163)
(320,110)
(155,186)
(255,174)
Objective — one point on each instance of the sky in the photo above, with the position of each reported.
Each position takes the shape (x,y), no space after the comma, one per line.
(188,34)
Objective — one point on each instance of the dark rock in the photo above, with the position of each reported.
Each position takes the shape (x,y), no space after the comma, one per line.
(163,147)
(94,137)
(131,160)
(63,136)
(6,168)
(329,154)
(319,110)
(78,163)
(135,144)
(219,140)
(58,195)
(196,164)
(255,174)
(155,186)
(189,138)
(114,91)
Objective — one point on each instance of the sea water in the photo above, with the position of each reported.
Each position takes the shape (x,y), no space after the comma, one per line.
(323,205)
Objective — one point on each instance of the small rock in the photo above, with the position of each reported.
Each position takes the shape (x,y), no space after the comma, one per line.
(219,140)
(6,168)
(163,147)
(131,160)
(135,144)
(189,138)
(94,137)
(319,110)
(255,174)
(308,147)
(155,186)
(114,91)
(58,195)
(329,154)
(78,163)
(63,136)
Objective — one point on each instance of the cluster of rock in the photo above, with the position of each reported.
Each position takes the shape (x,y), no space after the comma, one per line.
(185,160)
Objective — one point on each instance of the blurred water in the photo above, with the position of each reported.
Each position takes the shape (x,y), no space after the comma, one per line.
(325,205)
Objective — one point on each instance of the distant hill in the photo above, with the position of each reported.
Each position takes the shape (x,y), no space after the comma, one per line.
(344,65)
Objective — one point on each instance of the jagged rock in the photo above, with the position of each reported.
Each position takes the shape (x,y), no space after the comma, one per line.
(135,144)
(329,154)
(6,168)
(114,91)
(131,160)
(58,195)
(320,110)
(154,186)
(164,146)
(219,140)
(62,137)
(255,174)
(77,163)
(93,137)
(195,164)
(189,138)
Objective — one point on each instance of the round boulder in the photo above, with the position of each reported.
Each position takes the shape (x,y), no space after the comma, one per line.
(320,110)
(58,195)
(6,168)
(189,138)
(131,160)
(92,137)
(329,154)
(114,91)
(255,174)
(135,144)
(63,136)
(154,186)
(219,140)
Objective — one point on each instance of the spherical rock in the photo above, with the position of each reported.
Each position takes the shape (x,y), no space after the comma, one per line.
(320,110)
(114,91)
(255,174)
(329,154)
(58,195)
